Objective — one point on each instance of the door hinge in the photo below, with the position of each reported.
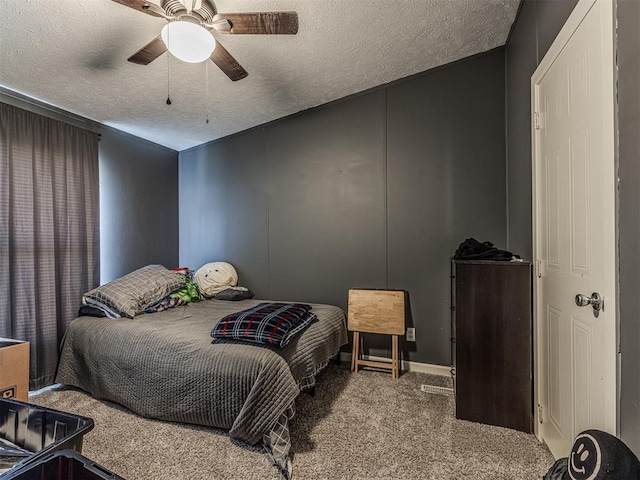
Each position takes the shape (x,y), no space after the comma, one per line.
(536,120)
(540,413)
(538,268)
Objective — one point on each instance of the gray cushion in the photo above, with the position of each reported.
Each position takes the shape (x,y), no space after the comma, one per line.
(134,292)
(234,294)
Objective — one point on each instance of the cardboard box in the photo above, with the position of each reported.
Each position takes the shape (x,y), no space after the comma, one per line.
(14,369)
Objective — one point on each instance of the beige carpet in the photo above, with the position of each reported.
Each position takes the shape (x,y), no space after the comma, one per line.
(357,426)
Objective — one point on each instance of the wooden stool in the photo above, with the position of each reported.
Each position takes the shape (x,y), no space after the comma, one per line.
(376,311)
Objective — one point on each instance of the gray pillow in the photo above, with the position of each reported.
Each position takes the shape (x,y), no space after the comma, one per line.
(137,290)
(234,294)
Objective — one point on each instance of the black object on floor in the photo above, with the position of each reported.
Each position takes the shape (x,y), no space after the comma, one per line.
(63,465)
(40,430)
(596,455)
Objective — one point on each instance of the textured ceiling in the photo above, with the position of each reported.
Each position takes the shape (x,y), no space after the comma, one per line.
(73,54)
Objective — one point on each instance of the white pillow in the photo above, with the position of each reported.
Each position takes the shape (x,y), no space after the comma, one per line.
(215,277)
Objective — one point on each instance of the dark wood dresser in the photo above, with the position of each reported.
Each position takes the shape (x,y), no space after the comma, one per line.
(492,342)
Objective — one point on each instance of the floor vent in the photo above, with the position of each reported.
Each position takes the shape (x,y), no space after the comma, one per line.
(438,390)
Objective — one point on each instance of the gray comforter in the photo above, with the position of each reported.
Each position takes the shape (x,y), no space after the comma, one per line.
(164,365)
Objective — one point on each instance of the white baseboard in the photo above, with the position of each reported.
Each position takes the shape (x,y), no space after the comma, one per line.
(407,366)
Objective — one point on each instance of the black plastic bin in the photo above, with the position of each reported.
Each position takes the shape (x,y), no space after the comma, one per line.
(40,430)
(63,465)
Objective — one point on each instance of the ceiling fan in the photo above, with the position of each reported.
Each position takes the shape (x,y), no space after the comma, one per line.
(187,34)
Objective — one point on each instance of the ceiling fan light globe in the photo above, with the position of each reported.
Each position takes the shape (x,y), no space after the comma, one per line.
(188,42)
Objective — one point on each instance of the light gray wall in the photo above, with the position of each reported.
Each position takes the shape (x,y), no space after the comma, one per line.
(138,195)
(376,190)
(629,218)
(537,25)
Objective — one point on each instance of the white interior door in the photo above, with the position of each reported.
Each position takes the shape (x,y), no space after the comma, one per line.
(574,228)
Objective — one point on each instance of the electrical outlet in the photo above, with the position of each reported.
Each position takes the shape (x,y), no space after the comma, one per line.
(411,334)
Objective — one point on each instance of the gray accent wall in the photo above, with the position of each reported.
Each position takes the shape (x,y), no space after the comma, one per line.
(629,218)
(223,207)
(376,190)
(327,201)
(537,25)
(138,194)
(138,204)
(445,183)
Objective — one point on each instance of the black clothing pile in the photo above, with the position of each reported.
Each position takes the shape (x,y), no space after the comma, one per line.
(472,249)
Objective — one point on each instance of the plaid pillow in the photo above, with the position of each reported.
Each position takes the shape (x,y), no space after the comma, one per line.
(131,294)
(272,324)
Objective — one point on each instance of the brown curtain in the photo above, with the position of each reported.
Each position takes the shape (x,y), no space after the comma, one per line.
(49,231)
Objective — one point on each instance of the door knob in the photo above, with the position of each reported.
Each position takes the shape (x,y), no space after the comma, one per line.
(595,300)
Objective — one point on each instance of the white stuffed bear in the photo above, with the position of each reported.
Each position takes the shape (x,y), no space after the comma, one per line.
(215,277)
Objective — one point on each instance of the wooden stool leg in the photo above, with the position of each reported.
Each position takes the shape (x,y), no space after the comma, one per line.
(394,355)
(355,351)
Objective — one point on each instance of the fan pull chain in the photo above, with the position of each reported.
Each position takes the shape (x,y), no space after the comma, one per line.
(206,87)
(168,69)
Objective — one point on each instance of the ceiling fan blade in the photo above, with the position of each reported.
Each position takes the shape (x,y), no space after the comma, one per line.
(149,52)
(142,6)
(282,23)
(227,63)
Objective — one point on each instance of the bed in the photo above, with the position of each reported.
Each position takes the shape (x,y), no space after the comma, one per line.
(164,365)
